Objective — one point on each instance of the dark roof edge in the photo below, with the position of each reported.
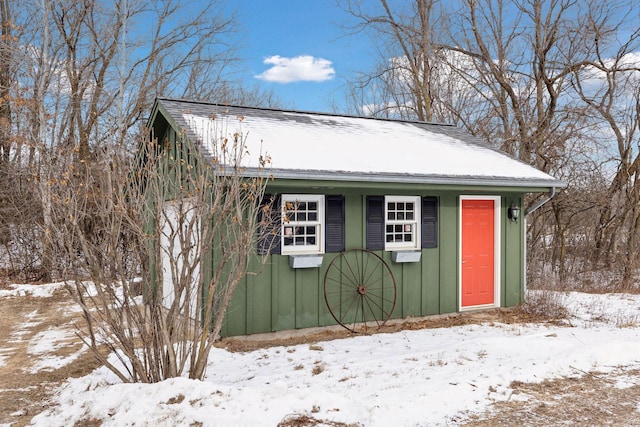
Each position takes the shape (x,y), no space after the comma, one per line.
(315,113)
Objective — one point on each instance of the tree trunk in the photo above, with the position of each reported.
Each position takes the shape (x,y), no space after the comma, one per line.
(6,52)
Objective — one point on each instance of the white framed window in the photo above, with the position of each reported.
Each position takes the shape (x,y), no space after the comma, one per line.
(402,222)
(302,224)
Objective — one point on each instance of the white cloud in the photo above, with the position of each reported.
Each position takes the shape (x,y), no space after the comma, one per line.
(297,69)
(631,60)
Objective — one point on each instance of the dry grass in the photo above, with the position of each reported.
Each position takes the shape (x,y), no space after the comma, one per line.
(24,393)
(587,399)
(544,306)
(582,278)
(303,420)
(242,344)
(89,422)
(318,368)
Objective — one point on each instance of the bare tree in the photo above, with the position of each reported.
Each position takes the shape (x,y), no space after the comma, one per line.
(7,47)
(608,85)
(20,207)
(80,77)
(507,72)
(186,228)
(403,84)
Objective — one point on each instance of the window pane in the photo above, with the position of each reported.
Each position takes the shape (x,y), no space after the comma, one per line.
(401,225)
(304,223)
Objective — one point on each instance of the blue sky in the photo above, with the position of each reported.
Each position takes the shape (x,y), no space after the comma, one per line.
(299,50)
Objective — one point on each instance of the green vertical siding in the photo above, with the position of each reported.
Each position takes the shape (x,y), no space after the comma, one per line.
(512,257)
(236,316)
(307,297)
(448,243)
(396,270)
(282,298)
(284,295)
(324,315)
(430,289)
(258,295)
(411,289)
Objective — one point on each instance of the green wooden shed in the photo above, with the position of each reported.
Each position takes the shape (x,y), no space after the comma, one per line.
(385,218)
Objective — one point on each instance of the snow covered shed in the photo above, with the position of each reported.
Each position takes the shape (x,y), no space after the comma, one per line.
(392,218)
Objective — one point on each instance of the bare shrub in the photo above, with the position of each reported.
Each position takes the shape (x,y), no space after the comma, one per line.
(20,225)
(544,305)
(299,420)
(186,228)
(318,368)
(626,321)
(582,278)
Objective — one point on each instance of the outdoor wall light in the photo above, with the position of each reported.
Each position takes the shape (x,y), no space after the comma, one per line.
(513,212)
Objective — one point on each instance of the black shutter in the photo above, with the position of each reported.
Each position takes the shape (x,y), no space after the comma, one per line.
(334,224)
(375,222)
(429,222)
(269,225)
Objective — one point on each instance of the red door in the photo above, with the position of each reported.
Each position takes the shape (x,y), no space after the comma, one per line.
(478,263)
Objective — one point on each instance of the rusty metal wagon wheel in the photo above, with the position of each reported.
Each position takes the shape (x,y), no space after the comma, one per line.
(360,290)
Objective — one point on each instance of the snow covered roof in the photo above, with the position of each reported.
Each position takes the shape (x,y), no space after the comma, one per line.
(305,145)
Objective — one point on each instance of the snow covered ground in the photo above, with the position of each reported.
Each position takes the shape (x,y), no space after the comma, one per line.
(424,377)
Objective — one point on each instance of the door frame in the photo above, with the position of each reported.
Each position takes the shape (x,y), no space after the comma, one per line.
(497,204)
